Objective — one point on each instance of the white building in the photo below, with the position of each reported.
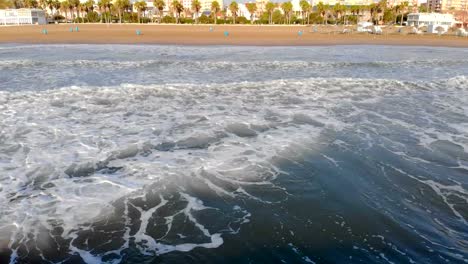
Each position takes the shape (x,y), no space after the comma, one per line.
(297,9)
(206,4)
(22,16)
(426,19)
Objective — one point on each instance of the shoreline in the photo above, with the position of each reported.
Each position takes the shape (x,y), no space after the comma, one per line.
(201,35)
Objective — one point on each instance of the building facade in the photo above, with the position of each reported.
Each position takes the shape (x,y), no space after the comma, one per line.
(447,5)
(426,19)
(22,16)
(343,2)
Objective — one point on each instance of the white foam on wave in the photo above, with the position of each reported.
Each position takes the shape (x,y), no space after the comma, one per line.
(57,146)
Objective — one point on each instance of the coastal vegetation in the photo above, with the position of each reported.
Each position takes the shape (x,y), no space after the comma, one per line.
(122,11)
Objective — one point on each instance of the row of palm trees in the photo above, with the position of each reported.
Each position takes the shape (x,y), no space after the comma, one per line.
(379,12)
(338,11)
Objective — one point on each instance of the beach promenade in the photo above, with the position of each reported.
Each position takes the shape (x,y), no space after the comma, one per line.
(216,35)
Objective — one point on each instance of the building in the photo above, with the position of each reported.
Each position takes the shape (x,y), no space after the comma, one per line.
(343,2)
(22,16)
(426,19)
(446,5)
(412,4)
(261,6)
(206,4)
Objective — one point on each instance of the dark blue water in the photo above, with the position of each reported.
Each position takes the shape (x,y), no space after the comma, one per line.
(150,154)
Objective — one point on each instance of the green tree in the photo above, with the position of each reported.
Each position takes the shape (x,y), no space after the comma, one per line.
(389,16)
(287,9)
(31,3)
(338,11)
(104,6)
(305,8)
(65,6)
(5,4)
(403,8)
(56,4)
(159,4)
(140,7)
(88,7)
(121,6)
(374,10)
(382,7)
(50,4)
(196,6)
(252,8)
(322,9)
(423,9)
(277,17)
(215,8)
(234,7)
(270,7)
(177,8)
(74,4)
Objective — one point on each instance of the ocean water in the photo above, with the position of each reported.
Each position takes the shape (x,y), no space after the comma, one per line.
(168,154)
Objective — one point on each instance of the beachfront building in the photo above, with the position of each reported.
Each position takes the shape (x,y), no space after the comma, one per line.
(297,10)
(243,12)
(22,16)
(412,4)
(446,5)
(261,7)
(426,19)
(206,4)
(343,2)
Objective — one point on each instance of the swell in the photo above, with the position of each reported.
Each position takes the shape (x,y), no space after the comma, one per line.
(226,65)
(139,156)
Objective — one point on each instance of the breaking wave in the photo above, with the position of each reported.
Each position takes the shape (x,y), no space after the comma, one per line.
(130,172)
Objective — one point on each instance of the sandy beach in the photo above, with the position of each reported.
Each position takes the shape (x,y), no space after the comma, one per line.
(202,35)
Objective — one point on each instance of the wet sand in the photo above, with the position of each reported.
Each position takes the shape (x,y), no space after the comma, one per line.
(201,35)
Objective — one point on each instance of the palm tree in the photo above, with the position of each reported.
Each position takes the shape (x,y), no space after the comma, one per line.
(382,5)
(121,6)
(305,7)
(159,4)
(177,7)
(403,7)
(196,6)
(287,8)
(31,3)
(56,4)
(233,7)
(140,7)
(50,4)
(322,10)
(105,5)
(252,8)
(74,4)
(65,6)
(338,10)
(215,8)
(5,4)
(373,9)
(88,7)
(270,7)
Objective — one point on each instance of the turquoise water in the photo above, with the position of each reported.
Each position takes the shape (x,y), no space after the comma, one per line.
(149,154)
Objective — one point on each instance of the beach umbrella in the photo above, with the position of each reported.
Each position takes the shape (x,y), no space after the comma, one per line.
(423,28)
(440,30)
